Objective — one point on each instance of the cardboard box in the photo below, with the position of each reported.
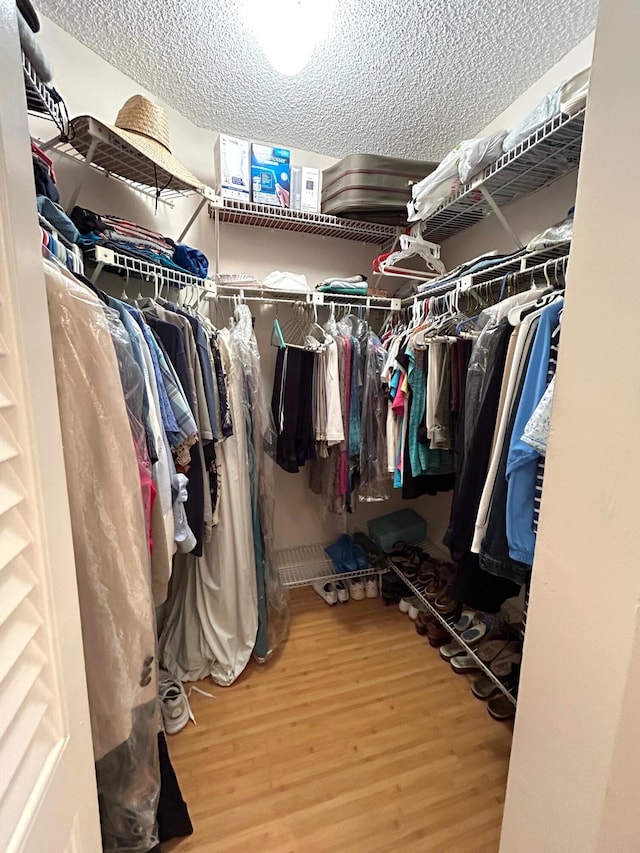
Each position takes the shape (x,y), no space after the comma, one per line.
(310,190)
(270,175)
(233,168)
(296,187)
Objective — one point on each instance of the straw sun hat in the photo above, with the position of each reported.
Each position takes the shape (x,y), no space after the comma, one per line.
(141,128)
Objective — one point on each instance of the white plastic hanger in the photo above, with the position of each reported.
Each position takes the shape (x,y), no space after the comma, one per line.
(410,247)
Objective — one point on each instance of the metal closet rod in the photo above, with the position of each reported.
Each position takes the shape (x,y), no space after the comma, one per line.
(303,298)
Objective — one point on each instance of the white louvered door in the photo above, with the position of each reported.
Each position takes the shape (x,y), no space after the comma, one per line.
(47,783)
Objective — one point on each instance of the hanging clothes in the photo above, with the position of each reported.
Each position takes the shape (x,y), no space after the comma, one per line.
(292,407)
(212,614)
(111,546)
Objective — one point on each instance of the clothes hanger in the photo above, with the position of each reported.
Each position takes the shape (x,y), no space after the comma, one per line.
(276,332)
(331,325)
(124,297)
(410,247)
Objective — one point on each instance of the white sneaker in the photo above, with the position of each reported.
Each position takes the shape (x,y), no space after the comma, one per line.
(356,589)
(416,608)
(371,587)
(405,603)
(176,711)
(327,592)
(342,591)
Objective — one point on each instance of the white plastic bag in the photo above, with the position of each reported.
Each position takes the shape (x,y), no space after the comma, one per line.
(477,154)
(557,233)
(435,188)
(548,107)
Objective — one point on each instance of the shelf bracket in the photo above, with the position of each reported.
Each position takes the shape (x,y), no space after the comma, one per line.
(207,196)
(84,171)
(500,217)
(97,271)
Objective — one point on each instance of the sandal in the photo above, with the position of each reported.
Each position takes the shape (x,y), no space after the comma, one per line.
(464,663)
(484,687)
(506,662)
(466,620)
(495,642)
(473,635)
(451,650)
(501,709)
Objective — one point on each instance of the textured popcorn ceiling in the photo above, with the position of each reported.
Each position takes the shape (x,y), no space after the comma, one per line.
(398,77)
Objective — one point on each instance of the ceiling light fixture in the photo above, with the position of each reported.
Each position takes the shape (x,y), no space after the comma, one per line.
(290,30)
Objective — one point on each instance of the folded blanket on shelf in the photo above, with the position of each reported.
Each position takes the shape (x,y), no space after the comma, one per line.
(344,288)
(129,232)
(354,279)
(286,281)
(88,241)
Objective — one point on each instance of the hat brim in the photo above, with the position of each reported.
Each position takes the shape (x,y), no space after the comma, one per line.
(122,157)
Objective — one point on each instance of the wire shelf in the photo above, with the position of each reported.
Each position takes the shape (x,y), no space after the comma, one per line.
(521,263)
(429,547)
(549,153)
(255,292)
(308,564)
(91,143)
(101,257)
(43,101)
(321,224)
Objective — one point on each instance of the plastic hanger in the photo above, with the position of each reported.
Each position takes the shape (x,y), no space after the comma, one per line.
(410,247)
(277,339)
(124,297)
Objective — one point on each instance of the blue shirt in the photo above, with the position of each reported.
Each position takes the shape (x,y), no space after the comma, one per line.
(522,461)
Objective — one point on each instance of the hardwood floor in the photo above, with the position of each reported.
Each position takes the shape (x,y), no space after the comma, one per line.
(357,738)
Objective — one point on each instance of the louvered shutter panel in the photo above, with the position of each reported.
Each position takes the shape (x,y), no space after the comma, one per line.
(30,732)
(48,798)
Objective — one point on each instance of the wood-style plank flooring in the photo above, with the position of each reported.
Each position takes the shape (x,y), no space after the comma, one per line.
(357,738)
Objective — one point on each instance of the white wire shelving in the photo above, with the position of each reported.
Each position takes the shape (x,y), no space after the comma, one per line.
(430,548)
(110,155)
(312,297)
(102,257)
(309,563)
(523,262)
(320,224)
(549,153)
(42,100)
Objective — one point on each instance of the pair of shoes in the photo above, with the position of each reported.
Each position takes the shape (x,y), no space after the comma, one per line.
(371,587)
(174,704)
(332,592)
(362,588)
(484,687)
(428,626)
(504,665)
(500,708)
(341,591)
(412,606)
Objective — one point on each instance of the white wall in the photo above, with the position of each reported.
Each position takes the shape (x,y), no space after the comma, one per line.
(575,768)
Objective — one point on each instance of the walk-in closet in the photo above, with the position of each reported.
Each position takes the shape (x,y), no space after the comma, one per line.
(319,470)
